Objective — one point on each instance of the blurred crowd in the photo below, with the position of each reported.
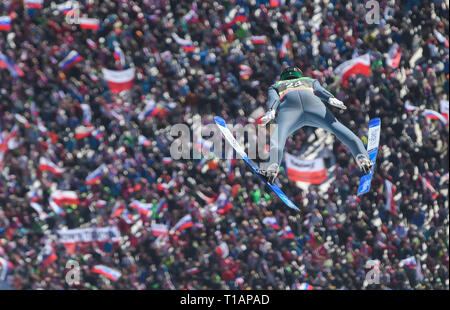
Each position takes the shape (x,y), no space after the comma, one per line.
(336,236)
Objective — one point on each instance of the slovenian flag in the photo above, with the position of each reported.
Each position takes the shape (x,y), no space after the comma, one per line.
(394,56)
(184,223)
(357,65)
(87,114)
(83,132)
(193,270)
(272,222)
(55,207)
(47,165)
(410,262)
(159,229)
(187,45)
(161,206)
(98,134)
(192,15)
(240,17)
(5,23)
(33,195)
(245,71)
(224,207)
(305,287)
(5,63)
(440,38)
(119,81)
(110,273)
(119,56)
(96,175)
(143,208)
(286,233)
(258,39)
(48,256)
(65,8)
(63,197)
(435,115)
(89,23)
(70,60)
(151,109)
(33,4)
(285,46)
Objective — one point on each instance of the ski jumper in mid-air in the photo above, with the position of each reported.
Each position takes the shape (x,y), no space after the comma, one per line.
(296,101)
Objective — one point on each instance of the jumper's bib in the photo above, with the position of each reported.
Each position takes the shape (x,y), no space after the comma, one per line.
(283,87)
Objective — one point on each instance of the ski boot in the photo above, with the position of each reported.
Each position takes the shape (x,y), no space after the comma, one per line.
(364,163)
(270,174)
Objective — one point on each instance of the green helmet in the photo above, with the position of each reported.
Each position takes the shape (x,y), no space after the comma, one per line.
(291,73)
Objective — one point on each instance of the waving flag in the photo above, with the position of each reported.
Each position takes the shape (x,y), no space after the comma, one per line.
(47,255)
(409,262)
(83,132)
(13,69)
(38,208)
(5,268)
(193,270)
(192,15)
(161,206)
(435,115)
(110,273)
(33,195)
(222,250)
(309,171)
(87,114)
(96,175)
(119,81)
(305,287)
(152,109)
(5,23)
(89,23)
(143,141)
(47,165)
(70,60)
(286,233)
(56,208)
(409,107)
(143,208)
(33,4)
(98,134)
(357,65)
(62,197)
(272,222)
(159,229)
(22,120)
(245,71)
(394,56)
(443,105)
(66,7)
(240,17)
(389,193)
(117,210)
(119,56)
(184,223)
(440,38)
(285,48)
(426,184)
(258,39)
(187,45)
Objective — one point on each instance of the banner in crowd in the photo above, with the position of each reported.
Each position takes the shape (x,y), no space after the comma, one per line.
(357,65)
(309,171)
(80,236)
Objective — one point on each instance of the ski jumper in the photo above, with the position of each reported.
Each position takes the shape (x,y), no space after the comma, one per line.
(298,103)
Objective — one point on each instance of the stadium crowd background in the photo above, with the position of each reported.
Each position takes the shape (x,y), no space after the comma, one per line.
(335,234)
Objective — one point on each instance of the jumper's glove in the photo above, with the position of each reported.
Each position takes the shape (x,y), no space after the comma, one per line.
(337,103)
(270,116)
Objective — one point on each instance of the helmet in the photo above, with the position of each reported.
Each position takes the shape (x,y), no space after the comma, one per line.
(291,73)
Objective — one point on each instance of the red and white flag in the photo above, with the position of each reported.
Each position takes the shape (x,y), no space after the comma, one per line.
(309,171)
(258,39)
(426,184)
(357,65)
(61,197)
(389,193)
(223,250)
(159,229)
(285,47)
(394,56)
(89,23)
(47,165)
(444,108)
(119,81)
(245,71)
(83,132)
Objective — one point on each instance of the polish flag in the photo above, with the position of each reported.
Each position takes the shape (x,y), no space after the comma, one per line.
(83,132)
(426,184)
(62,197)
(47,165)
(409,107)
(357,65)
(309,171)
(119,80)
(389,193)
(394,56)
(222,250)
(89,23)
(305,287)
